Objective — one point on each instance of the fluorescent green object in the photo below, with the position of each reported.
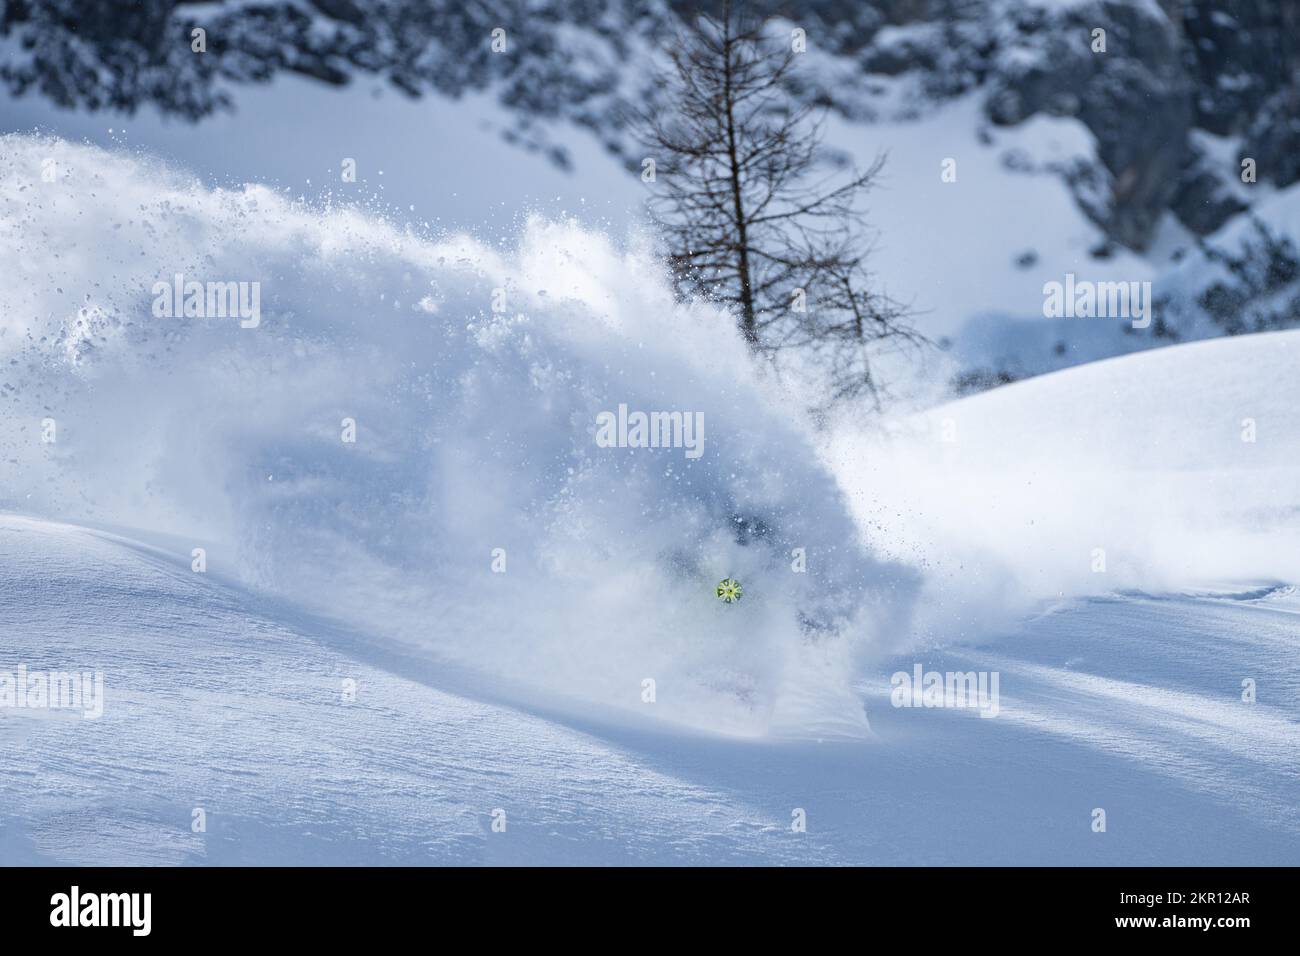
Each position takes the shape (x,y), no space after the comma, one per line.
(729,590)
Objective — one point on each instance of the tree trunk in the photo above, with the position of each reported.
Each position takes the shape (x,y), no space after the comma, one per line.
(748,325)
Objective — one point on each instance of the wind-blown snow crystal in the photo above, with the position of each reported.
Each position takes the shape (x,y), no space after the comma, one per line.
(475,431)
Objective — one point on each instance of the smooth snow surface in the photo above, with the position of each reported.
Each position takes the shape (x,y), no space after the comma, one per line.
(222,701)
(1164,470)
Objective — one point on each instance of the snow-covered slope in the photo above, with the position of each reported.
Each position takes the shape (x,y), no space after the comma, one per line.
(1116,542)
(1156,471)
(221,701)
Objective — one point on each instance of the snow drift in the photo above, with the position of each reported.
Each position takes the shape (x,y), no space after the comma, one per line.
(475,514)
(1171,470)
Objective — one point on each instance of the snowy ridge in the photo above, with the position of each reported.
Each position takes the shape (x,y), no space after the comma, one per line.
(1181,464)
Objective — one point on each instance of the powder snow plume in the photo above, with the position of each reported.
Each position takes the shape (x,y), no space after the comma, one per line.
(475,431)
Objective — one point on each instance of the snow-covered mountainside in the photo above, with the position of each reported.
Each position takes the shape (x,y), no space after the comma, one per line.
(372,650)
(1115,158)
(219,701)
(1160,471)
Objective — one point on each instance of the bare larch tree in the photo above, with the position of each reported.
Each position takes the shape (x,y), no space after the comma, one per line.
(750,214)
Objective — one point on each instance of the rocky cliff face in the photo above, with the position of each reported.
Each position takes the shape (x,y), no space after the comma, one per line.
(1229,68)
(562,58)
(1161,72)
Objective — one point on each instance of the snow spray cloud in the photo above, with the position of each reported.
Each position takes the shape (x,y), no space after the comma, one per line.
(408,443)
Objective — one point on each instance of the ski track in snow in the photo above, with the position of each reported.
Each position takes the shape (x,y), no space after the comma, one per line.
(220,700)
